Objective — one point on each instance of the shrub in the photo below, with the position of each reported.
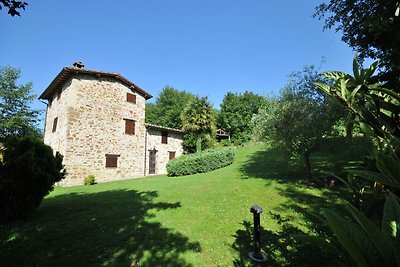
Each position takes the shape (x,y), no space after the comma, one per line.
(205,161)
(90,180)
(27,174)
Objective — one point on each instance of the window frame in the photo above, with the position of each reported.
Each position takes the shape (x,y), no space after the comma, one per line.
(130,126)
(131,98)
(164,137)
(55,122)
(171,154)
(111,160)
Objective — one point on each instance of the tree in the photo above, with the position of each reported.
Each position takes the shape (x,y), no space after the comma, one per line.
(370,27)
(198,118)
(167,109)
(16,116)
(13,6)
(246,105)
(300,118)
(28,171)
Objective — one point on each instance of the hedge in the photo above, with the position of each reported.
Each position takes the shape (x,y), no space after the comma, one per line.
(205,161)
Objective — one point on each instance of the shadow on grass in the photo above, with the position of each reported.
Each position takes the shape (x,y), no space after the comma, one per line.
(284,248)
(334,156)
(297,241)
(271,163)
(112,228)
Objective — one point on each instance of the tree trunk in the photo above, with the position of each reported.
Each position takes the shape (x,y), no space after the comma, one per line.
(307,165)
(198,144)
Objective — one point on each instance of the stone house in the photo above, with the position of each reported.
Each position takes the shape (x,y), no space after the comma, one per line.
(96,120)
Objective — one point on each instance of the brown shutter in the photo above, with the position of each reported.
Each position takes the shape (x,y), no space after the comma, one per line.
(131,98)
(129,126)
(164,137)
(171,154)
(111,161)
(55,124)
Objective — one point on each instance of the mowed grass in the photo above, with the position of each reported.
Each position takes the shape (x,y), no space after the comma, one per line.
(197,220)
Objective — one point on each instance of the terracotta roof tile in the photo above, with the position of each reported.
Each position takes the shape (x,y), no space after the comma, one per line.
(158,127)
(68,72)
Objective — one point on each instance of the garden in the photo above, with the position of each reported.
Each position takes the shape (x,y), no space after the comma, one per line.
(196,220)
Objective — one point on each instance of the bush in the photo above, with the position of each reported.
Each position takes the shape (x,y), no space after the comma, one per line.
(27,174)
(90,180)
(205,161)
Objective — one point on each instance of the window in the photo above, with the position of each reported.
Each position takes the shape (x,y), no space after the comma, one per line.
(111,161)
(131,98)
(171,154)
(164,137)
(55,124)
(129,126)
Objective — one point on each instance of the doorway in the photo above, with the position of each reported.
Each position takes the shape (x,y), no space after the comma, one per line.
(152,161)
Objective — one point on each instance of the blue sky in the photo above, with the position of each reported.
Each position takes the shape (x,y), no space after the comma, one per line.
(207,47)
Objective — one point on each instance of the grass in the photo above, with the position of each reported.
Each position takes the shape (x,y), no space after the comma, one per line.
(197,220)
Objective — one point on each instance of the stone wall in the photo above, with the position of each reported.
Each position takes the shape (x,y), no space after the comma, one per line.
(57,108)
(91,113)
(174,144)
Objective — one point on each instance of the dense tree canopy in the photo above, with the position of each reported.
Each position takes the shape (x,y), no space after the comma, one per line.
(300,118)
(13,6)
(370,27)
(198,118)
(167,109)
(16,115)
(236,113)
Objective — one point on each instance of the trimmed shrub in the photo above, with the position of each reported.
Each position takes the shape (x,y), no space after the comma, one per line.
(205,161)
(28,173)
(90,180)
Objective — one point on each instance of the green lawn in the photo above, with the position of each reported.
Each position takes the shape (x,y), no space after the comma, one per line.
(197,220)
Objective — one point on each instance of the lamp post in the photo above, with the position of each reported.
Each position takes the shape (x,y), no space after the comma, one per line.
(257,255)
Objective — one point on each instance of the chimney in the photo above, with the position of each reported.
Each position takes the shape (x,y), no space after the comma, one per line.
(78,65)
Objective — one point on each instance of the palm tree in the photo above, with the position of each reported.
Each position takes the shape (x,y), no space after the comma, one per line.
(198,117)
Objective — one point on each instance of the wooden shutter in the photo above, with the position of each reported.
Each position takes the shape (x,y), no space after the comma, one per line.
(164,137)
(129,126)
(171,154)
(55,124)
(131,98)
(111,161)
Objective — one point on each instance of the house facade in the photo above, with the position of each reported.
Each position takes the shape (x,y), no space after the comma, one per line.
(96,120)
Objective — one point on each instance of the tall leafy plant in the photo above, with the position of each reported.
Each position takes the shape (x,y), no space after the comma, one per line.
(198,118)
(377,109)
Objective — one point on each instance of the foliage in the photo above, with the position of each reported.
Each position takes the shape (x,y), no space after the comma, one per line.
(201,162)
(363,240)
(370,27)
(300,119)
(198,117)
(190,142)
(16,116)
(27,174)
(246,105)
(13,6)
(378,110)
(167,109)
(89,180)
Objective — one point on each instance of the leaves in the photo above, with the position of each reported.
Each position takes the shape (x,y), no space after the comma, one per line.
(247,105)
(13,6)
(198,117)
(16,115)
(364,241)
(391,216)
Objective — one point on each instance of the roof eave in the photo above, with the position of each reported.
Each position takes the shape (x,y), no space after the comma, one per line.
(67,72)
